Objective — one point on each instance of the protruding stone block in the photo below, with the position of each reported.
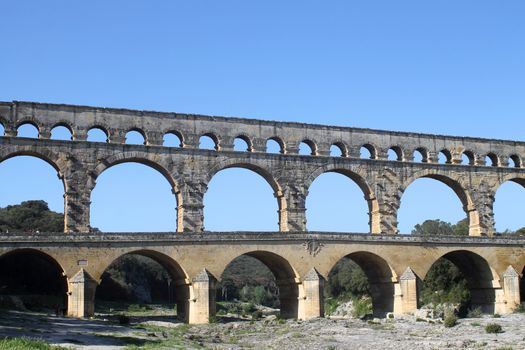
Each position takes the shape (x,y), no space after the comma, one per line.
(311,302)
(202,298)
(81,295)
(511,288)
(406,293)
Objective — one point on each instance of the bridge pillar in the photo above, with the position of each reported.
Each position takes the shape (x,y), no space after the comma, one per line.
(311,299)
(481,212)
(511,292)
(406,298)
(202,298)
(191,208)
(77,201)
(385,205)
(289,298)
(81,295)
(294,214)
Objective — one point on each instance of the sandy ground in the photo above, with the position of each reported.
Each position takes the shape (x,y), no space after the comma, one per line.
(163,332)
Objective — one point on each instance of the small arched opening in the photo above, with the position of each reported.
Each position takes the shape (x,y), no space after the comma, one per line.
(395,153)
(35,280)
(61,132)
(135,137)
(258,284)
(491,159)
(368,151)
(307,147)
(172,139)
(275,145)
(445,157)
(28,129)
(242,144)
(364,278)
(97,134)
(468,158)
(421,155)
(209,141)
(515,161)
(338,149)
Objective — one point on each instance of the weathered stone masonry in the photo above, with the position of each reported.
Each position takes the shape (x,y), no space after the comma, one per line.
(394,268)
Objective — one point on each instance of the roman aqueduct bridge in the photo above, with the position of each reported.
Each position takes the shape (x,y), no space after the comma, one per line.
(301,261)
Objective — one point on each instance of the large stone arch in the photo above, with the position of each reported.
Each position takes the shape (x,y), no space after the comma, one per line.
(180,279)
(381,278)
(260,170)
(144,159)
(58,163)
(362,182)
(286,277)
(519,179)
(482,278)
(40,258)
(456,183)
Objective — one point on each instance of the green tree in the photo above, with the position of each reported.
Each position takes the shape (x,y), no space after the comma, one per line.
(442,228)
(30,216)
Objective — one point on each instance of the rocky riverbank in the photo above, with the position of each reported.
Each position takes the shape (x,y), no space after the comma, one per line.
(268,333)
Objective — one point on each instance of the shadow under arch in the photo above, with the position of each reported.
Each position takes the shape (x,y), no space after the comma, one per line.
(142,158)
(479,275)
(261,171)
(373,204)
(381,278)
(462,193)
(178,284)
(285,276)
(35,275)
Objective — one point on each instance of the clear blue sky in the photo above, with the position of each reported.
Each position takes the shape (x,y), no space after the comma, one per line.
(451,67)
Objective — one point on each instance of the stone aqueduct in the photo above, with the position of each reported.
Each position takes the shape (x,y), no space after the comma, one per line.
(300,260)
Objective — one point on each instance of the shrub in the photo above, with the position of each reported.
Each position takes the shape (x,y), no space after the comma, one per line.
(362,307)
(493,328)
(520,309)
(450,321)
(248,308)
(257,315)
(475,313)
(137,308)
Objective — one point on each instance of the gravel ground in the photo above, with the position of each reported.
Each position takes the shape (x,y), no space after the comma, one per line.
(163,332)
